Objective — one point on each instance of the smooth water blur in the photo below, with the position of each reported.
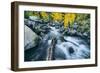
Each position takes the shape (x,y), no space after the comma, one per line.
(67,47)
(74,48)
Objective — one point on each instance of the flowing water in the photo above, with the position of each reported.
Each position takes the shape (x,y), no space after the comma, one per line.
(71,47)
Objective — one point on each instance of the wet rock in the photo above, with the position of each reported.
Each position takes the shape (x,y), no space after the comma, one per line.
(29,23)
(31,38)
(71,50)
(33,18)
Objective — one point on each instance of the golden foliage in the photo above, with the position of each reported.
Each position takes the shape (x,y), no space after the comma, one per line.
(45,16)
(69,19)
(57,16)
(66,18)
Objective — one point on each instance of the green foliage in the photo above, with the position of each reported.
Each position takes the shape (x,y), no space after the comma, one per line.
(27,14)
(44,16)
(83,21)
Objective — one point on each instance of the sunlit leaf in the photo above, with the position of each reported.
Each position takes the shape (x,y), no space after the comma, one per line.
(69,18)
(44,16)
(57,16)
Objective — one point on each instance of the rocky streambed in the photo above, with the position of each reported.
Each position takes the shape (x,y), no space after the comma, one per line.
(48,42)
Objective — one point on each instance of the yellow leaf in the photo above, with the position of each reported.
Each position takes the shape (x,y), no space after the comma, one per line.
(44,15)
(69,19)
(57,16)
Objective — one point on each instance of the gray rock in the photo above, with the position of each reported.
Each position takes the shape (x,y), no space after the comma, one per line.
(29,22)
(31,39)
(33,18)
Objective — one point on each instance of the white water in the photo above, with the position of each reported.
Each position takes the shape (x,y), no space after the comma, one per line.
(72,47)
(79,48)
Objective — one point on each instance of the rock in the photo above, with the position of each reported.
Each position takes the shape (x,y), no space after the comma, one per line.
(33,18)
(29,22)
(75,26)
(85,34)
(31,38)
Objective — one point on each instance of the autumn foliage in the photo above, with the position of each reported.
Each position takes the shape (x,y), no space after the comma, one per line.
(65,18)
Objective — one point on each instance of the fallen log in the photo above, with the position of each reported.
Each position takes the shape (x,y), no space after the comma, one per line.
(51,49)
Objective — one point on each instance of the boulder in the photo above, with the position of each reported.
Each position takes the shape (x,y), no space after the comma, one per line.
(31,39)
(33,18)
